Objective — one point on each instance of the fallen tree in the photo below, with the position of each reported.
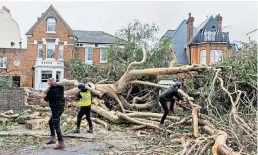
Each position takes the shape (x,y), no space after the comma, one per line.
(125,111)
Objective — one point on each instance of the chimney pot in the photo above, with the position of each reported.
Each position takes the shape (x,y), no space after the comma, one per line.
(189,22)
(6,9)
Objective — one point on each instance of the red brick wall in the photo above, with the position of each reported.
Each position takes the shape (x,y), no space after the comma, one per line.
(24,70)
(62,32)
(195,51)
(80,55)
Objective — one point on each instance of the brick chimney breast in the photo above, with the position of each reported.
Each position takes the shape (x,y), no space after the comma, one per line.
(189,22)
(219,21)
(6,9)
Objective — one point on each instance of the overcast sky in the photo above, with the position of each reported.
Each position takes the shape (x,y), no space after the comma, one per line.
(239,18)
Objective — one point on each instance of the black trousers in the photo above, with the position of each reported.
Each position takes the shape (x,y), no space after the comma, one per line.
(85,110)
(164,104)
(54,122)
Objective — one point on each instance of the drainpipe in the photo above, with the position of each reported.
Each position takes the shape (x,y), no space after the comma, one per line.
(190,55)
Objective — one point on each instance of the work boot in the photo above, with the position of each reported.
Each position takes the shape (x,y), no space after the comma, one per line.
(60,145)
(90,130)
(52,140)
(76,131)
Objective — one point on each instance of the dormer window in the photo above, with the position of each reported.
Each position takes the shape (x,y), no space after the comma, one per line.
(51,25)
(209,35)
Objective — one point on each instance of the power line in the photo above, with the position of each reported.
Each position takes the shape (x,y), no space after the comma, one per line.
(251,32)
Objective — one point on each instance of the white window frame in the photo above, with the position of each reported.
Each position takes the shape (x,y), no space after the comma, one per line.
(61,52)
(216,56)
(203,56)
(47,45)
(4,62)
(40,46)
(41,77)
(102,53)
(213,36)
(51,22)
(209,35)
(87,53)
(58,73)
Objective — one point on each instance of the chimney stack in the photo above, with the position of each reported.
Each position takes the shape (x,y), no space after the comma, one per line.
(219,21)
(6,9)
(189,22)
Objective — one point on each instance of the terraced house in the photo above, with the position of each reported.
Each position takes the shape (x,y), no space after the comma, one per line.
(204,44)
(51,43)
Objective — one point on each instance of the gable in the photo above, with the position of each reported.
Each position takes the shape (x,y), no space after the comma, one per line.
(41,24)
(209,24)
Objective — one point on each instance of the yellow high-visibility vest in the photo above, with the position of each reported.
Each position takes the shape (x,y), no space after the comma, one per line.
(86,99)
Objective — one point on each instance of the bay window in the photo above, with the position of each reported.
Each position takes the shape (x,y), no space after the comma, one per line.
(216,56)
(203,57)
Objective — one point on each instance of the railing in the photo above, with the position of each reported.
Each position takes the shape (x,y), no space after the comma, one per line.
(212,37)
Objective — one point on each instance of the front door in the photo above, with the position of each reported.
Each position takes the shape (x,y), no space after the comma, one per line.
(16,81)
(45,75)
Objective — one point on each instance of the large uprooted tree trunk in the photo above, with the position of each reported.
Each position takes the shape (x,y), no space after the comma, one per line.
(130,77)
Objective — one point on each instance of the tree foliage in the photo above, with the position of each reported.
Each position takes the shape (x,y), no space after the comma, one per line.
(244,63)
(119,57)
(239,74)
(5,82)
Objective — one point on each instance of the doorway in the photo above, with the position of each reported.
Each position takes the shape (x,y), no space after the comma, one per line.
(16,81)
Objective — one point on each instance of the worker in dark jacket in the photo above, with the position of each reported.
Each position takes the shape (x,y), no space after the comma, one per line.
(55,97)
(85,107)
(168,98)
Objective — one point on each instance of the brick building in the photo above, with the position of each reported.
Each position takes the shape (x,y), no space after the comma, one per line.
(205,44)
(51,43)
(11,53)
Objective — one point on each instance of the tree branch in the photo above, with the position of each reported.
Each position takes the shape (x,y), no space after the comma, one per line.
(132,64)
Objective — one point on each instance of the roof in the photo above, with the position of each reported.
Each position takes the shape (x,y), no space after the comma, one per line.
(209,24)
(200,26)
(96,37)
(48,12)
(169,33)
(179,39)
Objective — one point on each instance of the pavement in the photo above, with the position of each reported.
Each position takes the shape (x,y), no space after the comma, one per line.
(100,142)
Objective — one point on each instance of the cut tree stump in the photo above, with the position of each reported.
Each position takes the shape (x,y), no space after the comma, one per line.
(34,124)
(22,119)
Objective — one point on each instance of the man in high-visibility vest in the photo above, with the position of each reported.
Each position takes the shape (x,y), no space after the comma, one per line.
(85,107)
